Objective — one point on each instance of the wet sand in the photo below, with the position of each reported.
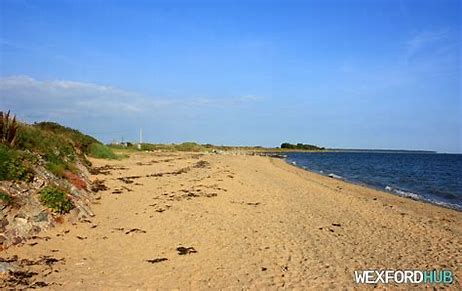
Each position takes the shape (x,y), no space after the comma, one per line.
(194,221)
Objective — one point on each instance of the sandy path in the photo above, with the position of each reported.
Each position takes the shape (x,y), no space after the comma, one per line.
(254,223)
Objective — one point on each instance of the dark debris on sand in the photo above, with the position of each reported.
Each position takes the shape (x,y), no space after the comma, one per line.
(201,164)
(158,260)
(128,179)
(98,185)
(135,230)
(21,276)
(105,170)
(185,251)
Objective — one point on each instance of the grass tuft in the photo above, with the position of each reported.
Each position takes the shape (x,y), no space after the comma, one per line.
(101,151)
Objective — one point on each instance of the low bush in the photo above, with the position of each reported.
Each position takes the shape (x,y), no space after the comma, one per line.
(5,198)
(55,199)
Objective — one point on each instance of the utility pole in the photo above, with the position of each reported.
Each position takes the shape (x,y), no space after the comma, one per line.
(141,138)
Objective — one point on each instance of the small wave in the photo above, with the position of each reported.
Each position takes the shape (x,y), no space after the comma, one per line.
(408,194)
(447,205)
(421,198)
(411,195)
(335,176)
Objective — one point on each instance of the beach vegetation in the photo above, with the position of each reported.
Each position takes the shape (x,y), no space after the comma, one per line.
(55,199)
(101,151)
(15,165)
(8,128)
(189,147)
(60,148)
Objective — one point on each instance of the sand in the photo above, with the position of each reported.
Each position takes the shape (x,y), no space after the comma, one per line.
(241,222)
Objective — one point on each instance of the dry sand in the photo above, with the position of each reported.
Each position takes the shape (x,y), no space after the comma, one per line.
(245,222)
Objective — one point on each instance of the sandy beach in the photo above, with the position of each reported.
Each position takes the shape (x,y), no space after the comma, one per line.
(203,221)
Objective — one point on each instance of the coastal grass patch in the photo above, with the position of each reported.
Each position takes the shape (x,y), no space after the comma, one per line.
(57,169)
(60,146)
(15,165)
(101,151)
(58,149)
(190,147)
(80,141)
(55,199)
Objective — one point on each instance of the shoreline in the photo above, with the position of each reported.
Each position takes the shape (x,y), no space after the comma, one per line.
(362,184)
(209,221)
(393,190)
(365,187)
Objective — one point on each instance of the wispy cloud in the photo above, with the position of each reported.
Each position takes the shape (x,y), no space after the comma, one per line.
(428,40)
(434,53)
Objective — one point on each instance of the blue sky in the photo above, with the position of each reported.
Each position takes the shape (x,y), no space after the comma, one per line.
(353,74)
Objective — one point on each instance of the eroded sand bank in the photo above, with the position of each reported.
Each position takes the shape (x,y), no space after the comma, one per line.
(238,222)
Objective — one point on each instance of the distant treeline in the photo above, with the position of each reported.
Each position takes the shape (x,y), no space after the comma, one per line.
(300,146)
(384,151)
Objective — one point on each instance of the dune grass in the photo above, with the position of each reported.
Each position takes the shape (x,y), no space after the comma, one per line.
(58,146)
(15,165)
(101,151)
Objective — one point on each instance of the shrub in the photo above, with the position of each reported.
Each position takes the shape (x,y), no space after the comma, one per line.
(55,199)
(5,198)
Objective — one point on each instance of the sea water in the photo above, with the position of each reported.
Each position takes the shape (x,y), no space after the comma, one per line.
(434,178)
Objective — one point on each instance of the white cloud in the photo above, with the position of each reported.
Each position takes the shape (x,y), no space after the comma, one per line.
(29,98)
(24,94)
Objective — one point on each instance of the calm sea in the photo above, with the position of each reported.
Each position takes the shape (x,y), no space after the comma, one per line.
(435,178)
